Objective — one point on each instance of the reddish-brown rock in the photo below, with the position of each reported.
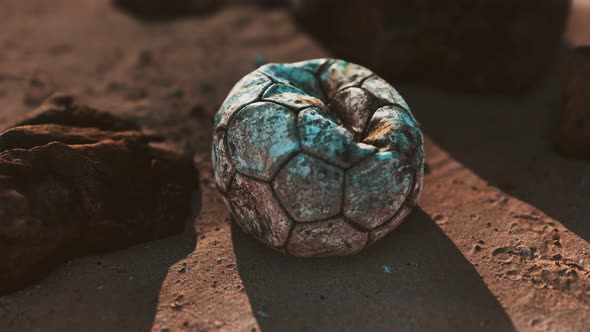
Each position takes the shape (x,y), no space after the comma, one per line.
(574,129)
(486,46)
(71,190)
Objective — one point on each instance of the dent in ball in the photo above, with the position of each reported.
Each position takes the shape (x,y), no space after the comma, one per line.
(324,138)
(340,74)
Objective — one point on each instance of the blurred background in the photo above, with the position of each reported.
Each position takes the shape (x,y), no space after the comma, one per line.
(501,87)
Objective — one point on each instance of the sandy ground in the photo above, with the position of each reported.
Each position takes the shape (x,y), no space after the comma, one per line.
(498,243)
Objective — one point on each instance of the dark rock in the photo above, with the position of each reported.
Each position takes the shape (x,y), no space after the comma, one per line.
(71,190)
(167,9)
(485,46)
(574,131)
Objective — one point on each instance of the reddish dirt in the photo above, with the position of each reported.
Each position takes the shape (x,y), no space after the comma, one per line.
(499,241)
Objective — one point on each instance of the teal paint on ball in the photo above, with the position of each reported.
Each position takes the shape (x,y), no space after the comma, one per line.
(317,158)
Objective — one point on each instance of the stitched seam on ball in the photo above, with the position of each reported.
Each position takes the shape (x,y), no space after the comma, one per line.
(319,80)
(239,109)
(291,219)
(368,242)
(231,153)
(289,108)
(406,109)
(231,181)
(353,85)
(324,218)
(396,215)
(364,158)
(356,226)
(327,161)
(286,161)
(323,65)
(291,156)
(272,80)
(366,78)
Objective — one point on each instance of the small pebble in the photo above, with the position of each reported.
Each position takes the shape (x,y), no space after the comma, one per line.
(525,251)
(263,314)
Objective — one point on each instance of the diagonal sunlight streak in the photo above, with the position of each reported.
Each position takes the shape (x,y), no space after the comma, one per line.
(203,291)
(520,252)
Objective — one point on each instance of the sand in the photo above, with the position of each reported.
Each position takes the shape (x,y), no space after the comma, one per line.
(499,241)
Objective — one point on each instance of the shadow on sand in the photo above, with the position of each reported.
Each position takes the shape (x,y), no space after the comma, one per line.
(115,291)
(509,142)
(431,286)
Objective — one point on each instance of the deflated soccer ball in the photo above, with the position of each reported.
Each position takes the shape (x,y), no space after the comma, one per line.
(317,158)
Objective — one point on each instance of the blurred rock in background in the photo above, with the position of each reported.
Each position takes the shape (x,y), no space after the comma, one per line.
(483,46)
(578,29)
(574,130)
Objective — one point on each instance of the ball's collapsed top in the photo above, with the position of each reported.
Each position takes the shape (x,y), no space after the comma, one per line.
(317,158)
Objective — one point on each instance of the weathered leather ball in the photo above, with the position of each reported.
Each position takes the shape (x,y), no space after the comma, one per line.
(317,158)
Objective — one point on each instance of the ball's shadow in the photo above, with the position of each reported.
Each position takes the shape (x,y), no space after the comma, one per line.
(414,279)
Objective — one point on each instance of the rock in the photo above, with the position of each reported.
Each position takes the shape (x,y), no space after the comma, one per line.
(167,9)
(68,188)
(478,46)
(574,129)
